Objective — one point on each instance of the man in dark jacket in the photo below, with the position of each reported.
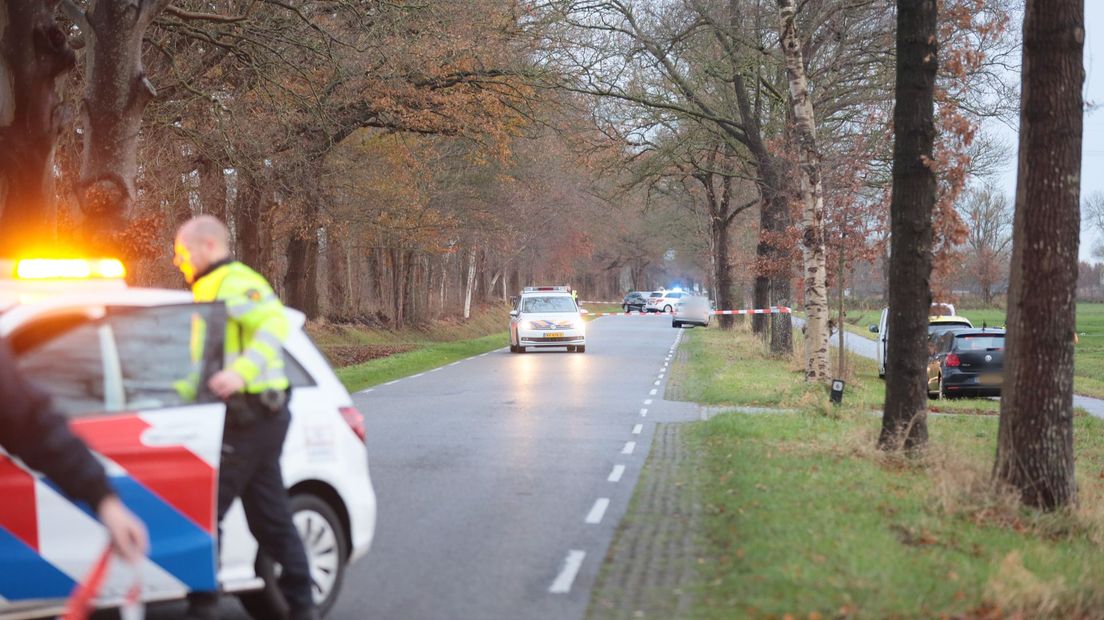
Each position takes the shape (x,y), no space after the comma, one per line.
(31,430)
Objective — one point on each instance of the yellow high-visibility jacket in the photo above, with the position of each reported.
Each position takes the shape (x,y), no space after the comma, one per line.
(256,327)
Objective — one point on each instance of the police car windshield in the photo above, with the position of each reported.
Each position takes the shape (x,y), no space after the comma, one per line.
(551,303)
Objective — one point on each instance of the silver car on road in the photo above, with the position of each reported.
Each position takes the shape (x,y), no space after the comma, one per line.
(694,310)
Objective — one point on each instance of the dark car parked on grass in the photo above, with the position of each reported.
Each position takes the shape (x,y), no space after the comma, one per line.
(966,362)
(634,302)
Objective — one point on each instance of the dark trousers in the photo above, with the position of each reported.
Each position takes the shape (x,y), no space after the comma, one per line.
(250,469)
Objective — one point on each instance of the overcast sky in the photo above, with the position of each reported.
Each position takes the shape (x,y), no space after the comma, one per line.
(1092,154)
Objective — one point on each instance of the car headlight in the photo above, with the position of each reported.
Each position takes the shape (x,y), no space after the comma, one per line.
(527,325)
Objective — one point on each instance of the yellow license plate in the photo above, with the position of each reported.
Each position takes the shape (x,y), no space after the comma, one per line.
(989,379)
(554,335)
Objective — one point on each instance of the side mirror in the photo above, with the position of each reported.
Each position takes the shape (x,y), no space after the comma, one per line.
(874,329)
(514,313)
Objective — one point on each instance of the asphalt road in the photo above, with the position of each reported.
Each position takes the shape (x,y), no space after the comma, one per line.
(495,476)
(500,479)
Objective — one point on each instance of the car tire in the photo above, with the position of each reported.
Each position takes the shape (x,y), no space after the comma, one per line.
(940,393)
(580,348)
(676,324)
(570,348)
(328,544)
(667,309)
(513,348)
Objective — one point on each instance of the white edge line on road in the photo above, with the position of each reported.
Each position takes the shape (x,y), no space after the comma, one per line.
(392,382)
(643,411)
(455,363)
(366,391)
(637,429)
(652,393)
(615,475)
(594,517)
(421,374)
(647,401)
(629,447)
(436,369)
(562,584)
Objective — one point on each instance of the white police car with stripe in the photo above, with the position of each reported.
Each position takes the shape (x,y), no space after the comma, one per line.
(109,355)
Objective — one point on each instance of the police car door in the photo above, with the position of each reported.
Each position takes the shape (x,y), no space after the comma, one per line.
(118,373)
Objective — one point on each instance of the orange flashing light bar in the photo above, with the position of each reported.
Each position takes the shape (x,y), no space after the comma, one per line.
(69,269)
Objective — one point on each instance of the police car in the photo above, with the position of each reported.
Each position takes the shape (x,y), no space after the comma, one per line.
(109,356)
(547,316)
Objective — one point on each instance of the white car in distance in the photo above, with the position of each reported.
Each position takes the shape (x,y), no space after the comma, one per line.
(546,317)
(664,301)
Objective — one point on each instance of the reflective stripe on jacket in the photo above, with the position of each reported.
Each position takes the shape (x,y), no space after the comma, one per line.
(256,327)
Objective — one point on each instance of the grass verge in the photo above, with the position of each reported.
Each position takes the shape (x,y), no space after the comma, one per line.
(427,357)
(364,355)
(803,518)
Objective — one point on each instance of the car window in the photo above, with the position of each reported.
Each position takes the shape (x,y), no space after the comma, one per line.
(979,342)
(69,368)
(656,295)
(551,303)
(297,375)
(132,359)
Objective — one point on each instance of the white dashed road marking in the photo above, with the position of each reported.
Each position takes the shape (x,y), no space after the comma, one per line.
(615,475)
(594,517)
(653,392)
(637,429)
(643,411)
(647,401)
(562,584)
(629,447)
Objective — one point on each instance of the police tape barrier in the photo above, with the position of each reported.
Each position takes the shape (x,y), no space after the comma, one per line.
(771,310)
(79,606)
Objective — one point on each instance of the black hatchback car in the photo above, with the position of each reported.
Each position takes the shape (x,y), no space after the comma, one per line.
(966,362)
(634,301)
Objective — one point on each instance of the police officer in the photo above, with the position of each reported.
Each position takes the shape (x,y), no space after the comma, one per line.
(33,432)
(255,387)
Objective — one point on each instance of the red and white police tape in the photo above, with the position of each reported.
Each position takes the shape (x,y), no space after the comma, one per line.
(83,599)
(771,310)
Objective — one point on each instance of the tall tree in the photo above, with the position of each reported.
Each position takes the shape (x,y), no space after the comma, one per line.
(812,197)
(1035,439)
(904,422)
(34,52)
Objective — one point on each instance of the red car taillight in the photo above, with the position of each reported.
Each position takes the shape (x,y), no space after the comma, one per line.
(952,360)
(354,419)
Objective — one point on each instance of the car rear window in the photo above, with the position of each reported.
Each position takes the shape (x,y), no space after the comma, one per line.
(979,342)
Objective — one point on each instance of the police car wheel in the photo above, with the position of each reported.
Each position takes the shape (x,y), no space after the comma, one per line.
(676,324)
(324,540)
(580,348)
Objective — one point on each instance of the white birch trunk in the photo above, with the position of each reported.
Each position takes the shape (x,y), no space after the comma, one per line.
(470,284)
(812,194)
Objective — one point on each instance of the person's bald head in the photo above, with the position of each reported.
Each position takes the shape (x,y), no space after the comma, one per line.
(201,242)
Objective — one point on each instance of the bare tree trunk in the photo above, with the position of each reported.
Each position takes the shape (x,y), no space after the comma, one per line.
(34,52)
(904,422)
(1035,439)
(115,95)
(301,279)
(470,284)
(212,188)
(812,193)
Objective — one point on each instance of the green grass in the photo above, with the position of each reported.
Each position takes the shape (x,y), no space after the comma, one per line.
(717,372)
(428,357)
(802,516)
(411,350)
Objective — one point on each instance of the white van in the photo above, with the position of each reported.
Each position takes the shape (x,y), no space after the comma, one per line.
(941,318)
